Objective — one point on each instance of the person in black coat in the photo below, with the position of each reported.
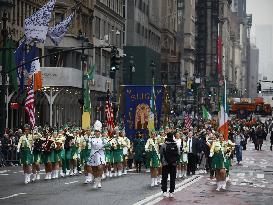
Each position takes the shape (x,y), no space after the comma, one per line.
(192,154)
(271,140)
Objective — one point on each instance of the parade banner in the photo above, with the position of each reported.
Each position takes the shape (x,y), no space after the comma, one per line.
(86,120)
(137,108)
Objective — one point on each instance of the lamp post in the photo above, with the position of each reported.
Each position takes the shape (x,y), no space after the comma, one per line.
(82,37)
(132,68)
(4,6)
(153,67)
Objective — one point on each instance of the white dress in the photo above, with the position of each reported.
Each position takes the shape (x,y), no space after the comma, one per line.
(97,156)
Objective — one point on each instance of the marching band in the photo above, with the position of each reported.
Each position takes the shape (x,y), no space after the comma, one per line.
(103,154)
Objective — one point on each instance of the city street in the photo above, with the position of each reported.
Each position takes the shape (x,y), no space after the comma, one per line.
(251,183)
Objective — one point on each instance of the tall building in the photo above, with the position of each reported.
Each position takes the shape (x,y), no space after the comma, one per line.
(108,29)
(143,41)
(264,35)
(189,37)
(253,72)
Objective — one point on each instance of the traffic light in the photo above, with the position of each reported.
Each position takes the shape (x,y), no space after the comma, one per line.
(115,62)
(259,87)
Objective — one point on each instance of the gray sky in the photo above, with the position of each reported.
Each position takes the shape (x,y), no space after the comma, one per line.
(262,12)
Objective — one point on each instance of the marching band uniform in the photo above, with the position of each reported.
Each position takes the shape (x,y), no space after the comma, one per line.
(184,156)
(25,148)
(48,155)
(160,140)
(117,146)
(97,157)
(218,163)
(58,153)
(109,159)
(37,154)
(229,146)
(81,152)
(152,149)
(125,151)
(178,141)
(86,155)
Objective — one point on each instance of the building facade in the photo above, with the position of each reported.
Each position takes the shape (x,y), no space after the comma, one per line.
(109,29)
(253,72)
(59,101)
(143,39)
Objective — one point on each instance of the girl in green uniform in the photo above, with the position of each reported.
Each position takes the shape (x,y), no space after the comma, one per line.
(58,153)
(218,162)
(37,154)
(117,146)
(109,156)
(48,153)
(152,149)
(87,149)
(25,148)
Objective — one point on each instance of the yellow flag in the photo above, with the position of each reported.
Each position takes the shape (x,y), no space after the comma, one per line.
(86,120)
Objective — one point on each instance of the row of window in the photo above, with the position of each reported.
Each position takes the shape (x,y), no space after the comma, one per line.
(142,6)
(115,5)
(147,33)
(104,28)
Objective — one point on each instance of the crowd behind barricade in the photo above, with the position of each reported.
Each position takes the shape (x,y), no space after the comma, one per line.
(169,153)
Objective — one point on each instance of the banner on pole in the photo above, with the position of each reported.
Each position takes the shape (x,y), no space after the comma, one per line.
(86,120)
(137,108)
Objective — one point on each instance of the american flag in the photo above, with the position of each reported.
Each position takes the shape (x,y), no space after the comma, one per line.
(109,113)
(29,104)
(187,121)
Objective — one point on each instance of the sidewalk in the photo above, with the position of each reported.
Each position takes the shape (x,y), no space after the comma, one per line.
(251,183)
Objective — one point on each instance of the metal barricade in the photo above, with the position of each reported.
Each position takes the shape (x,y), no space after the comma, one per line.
(12,157)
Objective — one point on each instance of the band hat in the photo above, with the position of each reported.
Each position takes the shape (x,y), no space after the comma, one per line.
(97,126)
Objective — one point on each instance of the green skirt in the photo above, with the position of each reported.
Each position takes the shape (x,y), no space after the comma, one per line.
(184,158)
(37,158)
(109,158)
(227,163)
(58,155)
(87,155)
(218,161)
(26,156)
(154,160)
(118,155)
(74,152)
(48,157)
(68,154)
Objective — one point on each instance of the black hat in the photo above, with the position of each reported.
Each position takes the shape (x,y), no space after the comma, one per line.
(170,137)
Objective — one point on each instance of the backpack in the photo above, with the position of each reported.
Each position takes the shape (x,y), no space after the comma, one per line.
(171,153)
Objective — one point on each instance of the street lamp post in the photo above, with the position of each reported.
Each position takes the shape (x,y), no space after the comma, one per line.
(81,36)
(132,68)
(5,4)
(153,67)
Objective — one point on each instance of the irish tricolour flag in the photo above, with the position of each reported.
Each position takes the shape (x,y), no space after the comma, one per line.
(223,123)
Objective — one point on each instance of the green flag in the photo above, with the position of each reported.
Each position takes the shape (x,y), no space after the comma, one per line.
(206,115)
(86,97)
(90,73)
(10,64)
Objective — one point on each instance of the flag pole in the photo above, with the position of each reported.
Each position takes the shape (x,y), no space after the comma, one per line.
(225,95)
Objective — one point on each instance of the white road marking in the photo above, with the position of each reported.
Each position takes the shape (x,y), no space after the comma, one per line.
(71,182)
(260,176)
(11,196)
(158,196)
(4,171)
(4,174)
